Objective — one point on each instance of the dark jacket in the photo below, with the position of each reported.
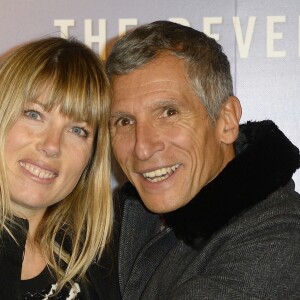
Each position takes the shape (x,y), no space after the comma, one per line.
(239,238)
(11,258)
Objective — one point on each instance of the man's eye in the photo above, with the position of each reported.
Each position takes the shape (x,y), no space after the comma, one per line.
(80,131)
(124,122)
(169,112)
(32,114)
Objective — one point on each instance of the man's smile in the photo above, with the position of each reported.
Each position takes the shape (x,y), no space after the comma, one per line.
(160,174)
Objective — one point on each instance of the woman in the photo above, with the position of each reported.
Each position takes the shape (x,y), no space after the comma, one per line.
(55,207)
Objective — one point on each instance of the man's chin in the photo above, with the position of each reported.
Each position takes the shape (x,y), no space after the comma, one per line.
(159,206)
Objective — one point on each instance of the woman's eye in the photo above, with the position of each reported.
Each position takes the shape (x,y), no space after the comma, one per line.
(168,112)
(80,131)
(33,114)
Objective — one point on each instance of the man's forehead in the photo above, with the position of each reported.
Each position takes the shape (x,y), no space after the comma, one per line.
(142,87)
(165,68)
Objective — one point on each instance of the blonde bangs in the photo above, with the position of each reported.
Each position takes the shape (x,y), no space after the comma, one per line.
(79,90)
(73,79)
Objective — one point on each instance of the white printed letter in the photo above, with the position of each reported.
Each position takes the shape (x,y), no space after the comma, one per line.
(100,39)
(181,21)
(272,35)
(208,22)
(123,23)
(64,27)
(243,44)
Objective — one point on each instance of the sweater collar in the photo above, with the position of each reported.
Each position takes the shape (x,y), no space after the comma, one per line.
(265,160)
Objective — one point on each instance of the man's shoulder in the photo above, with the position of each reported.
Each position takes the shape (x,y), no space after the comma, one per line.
(281,209)
(283,202)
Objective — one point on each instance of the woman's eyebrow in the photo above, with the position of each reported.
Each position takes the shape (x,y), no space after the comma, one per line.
(38,103)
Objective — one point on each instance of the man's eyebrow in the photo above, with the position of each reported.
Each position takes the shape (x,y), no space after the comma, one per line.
(166,102)
(118,114)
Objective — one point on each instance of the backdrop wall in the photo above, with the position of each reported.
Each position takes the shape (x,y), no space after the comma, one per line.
(260,37)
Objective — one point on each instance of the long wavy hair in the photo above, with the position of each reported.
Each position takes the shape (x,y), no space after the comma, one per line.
(77,84)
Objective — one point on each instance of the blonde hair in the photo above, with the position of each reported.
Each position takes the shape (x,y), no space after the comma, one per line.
(76,82)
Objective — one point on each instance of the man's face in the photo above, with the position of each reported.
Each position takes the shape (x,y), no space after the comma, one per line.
(161,134)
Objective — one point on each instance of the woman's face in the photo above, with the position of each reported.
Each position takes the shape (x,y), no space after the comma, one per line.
(45,155)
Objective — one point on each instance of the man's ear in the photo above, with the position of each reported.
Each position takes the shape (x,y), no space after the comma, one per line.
(229,118)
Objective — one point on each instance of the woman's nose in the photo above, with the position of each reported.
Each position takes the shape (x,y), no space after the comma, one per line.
(50,143)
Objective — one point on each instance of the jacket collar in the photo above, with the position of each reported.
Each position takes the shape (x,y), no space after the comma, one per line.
(265,160)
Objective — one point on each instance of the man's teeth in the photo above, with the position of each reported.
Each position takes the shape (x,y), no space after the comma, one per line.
(44,174)
(160,174)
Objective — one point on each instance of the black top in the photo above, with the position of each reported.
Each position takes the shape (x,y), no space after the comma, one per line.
(44,285)
(11,258)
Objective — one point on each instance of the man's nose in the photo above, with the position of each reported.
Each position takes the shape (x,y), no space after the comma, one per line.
(148,141)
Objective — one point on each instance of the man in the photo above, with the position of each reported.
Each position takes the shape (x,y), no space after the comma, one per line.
(211,211)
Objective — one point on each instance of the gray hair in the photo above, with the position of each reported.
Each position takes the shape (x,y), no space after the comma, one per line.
(207,66)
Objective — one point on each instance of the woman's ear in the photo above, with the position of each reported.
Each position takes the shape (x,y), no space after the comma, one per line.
(230,116)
